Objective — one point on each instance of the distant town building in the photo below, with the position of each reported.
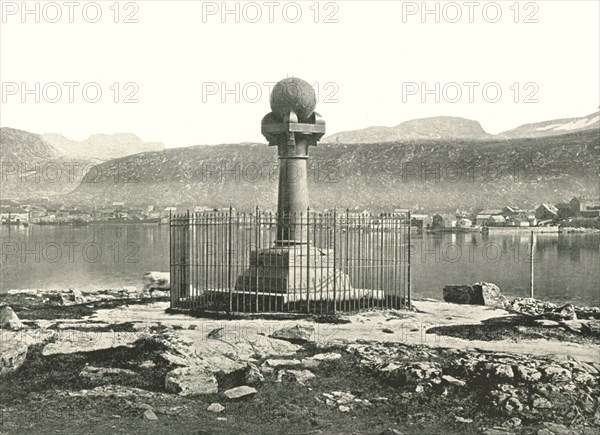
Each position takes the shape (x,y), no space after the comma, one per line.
(564,210)
(9,203)
(546,212)
(14,215)
(443,221)
(491,211)
(489,216)
(496,220)
(582,204)
(202,209)
(168,211)
(590,213)
(482,219)
(524,219)
(510,210)
(420,221)
(463,223)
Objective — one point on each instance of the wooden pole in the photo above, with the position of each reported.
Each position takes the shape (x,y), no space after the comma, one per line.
(531,255)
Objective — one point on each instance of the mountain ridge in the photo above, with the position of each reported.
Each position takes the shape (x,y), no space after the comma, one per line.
(456,128)
(102,146)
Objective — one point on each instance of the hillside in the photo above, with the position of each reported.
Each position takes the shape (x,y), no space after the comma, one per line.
(31,167)
(440,128)
(472,173)
(102,147)
(556,127)
(35,166)
(21,146)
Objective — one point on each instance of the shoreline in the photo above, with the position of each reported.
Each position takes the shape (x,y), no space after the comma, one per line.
(132,291)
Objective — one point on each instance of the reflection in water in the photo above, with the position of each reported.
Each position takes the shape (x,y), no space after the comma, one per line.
(566,266)
(87,257)
(112,256)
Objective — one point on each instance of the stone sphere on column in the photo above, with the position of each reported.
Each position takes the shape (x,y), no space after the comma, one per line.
(293,95)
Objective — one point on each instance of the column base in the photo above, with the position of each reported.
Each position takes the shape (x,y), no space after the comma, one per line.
(297,271)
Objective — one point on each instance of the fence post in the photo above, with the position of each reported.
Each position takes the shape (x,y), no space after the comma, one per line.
(334,259)
(307,265)
(257,249)
(185,281)
(171,266)
(409,290)
(346,290)
(229,252)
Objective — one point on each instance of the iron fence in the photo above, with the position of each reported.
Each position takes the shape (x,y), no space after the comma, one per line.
(232,261)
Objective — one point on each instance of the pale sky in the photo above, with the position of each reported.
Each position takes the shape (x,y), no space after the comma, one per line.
(369,67)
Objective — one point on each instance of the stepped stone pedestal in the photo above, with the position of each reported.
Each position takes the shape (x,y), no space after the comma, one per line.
(297,272)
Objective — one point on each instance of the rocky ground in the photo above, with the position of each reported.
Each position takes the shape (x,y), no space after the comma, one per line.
(121,364)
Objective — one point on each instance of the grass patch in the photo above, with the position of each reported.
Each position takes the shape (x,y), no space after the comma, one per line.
(40,373)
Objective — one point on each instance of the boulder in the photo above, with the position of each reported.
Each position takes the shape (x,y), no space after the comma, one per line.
(156,281)
(9,319)
(150,415)
(501,371)
(71,341)
(315,360)
(591,327)
(557,374)
(186,381)
(216,408)
(546,323)
(253,375)
(481,293)
(460,294)
(561,314)
(567,312)
(453,381)
(76,296)
(12,355)
(253,346)
(301,376)
(541,403)
(239,392)
(294,333)
(542,310)
(512,405)
(528,374)
(58,299)
(421,371)
(276,363)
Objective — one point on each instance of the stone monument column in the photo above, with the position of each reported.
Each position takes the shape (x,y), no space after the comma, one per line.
(293,270)
(293,126)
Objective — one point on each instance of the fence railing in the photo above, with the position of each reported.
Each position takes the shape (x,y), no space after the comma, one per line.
(232,261)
